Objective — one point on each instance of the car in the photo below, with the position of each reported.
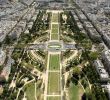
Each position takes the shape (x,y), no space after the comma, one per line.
(57,48)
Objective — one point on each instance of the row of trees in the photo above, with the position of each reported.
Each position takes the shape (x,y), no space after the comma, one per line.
(85,44)
(39,23)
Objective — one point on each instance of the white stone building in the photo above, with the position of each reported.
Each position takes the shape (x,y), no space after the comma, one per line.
(106,60)
(2,57)
(101,71)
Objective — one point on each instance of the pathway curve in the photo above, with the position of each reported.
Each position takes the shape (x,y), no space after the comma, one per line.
(64,62)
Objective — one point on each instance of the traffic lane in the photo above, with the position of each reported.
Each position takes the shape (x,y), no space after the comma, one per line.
(69,46)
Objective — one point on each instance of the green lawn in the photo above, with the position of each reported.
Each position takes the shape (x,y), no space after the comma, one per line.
(55,17)
(54,32)
(30,91)
(75,92)
(55,26)
(54,83)
(54,63)
(54,29)
(54,98)
(54,36)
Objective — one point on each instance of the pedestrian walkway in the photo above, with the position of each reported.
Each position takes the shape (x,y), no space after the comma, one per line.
(53,84)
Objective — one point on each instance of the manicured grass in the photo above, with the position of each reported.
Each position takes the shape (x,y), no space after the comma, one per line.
(55,26)
(54,63)
(54,32)
(54,83)
(54,98)
(75,92)
(30,91)
(54,29)
(55,17)
(54,36)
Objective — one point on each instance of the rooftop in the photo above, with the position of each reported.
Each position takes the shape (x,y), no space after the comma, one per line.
(107,54)
(100,68)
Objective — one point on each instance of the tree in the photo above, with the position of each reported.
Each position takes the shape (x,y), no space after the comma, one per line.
(1,68)
(93,55)
(84,82)
(19,84)
(83,96)
(87,44)
(0,44)
(12,96)
(8,40)
(85,54)
(90,96)
(76,72)
(97,91)
(2,79)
